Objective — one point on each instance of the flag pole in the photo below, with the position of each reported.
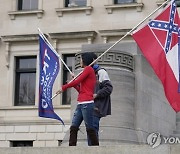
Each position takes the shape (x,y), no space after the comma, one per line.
(119,41)
(52,48)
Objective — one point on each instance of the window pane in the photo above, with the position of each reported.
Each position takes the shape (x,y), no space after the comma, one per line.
(21,143)
(26,91)
(20,4)
(178,3)
(27,63)
(66,3)
(77,2)
(123,1)
(27,4)
(25,80)
(80,2)
(70,61)
(34,4)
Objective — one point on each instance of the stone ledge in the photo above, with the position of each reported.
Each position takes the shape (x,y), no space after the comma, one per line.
(44,121)
(73,35)
(87,9)
(106,34)
(32,107)
(89,35)
(125,149)
(20,38)
(110,8)
(13,14)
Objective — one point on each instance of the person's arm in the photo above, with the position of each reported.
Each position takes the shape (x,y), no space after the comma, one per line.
(106,89)
(77,88)
(77,81)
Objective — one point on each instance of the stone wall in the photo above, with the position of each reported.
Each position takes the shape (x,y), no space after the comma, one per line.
(44,135)
(153,112)
(24,125)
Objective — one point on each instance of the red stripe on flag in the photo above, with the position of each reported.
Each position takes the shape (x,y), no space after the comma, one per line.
(155,54)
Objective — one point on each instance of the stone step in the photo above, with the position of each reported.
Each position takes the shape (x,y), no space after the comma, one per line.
(120,149)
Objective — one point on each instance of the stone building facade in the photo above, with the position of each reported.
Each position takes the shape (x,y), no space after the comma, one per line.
(72,26)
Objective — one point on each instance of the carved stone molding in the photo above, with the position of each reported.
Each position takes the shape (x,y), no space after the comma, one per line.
(9,39)
(7,53)
(21,38)
(106,34)
(112,7)
(112,59)
(87,9)
(89,35)
(13,14)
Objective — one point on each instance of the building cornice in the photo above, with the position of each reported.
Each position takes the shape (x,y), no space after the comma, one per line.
(89,35)
(106,34)
(115,32)
(19,38)
(59,36)
(73,35)
(9,39)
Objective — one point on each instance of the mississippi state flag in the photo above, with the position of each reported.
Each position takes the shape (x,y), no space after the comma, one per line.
(159,43)
(49,68)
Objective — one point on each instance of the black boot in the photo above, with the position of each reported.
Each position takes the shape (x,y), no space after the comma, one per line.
(73,135)
(92,136)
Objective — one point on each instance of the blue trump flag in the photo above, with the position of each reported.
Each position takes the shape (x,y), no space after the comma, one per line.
(49,68)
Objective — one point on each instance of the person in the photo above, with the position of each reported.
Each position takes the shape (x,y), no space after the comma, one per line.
(85,85)
(102,96)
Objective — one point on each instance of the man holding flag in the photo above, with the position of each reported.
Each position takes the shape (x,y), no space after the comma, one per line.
(159,43)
